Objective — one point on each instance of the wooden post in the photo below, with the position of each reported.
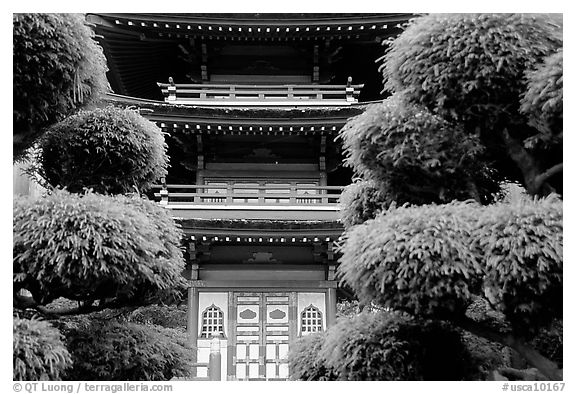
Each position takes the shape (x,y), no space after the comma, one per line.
(215,360)
(349,90)
(292,193)
(163,192)
(171,90)
(331,307)
(229,192)
(192,323)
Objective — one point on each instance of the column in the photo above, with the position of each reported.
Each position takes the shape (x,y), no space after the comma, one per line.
(331,306)
(192,322)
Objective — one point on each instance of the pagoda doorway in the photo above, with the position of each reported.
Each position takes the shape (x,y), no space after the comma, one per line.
(262,326)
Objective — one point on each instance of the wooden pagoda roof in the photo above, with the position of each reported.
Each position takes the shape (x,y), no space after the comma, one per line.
(261,231)
(242,120)
(254,26)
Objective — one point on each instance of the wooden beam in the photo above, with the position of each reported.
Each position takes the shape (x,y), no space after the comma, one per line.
(258,284)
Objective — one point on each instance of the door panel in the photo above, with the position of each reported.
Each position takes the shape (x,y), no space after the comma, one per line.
(262,331)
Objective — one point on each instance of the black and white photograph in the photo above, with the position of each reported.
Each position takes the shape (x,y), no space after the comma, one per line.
(287,196)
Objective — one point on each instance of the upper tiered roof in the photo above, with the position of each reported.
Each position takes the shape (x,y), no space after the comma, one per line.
(254,26)
(323,49)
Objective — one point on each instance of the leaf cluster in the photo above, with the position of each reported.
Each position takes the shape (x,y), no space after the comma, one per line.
(169,316)
(415,259)
(305,361)
(470,67)
(89,247)
(39,352)
(542,102)
(112,350)
(414,156)
(57,67)
(520,245)
(360,201)
(431,260)
(391,346)
(110,150)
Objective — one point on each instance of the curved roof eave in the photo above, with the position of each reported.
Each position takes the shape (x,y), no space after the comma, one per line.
(160,110)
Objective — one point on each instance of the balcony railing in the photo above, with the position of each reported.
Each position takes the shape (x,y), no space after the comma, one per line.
(202,94)
(248,195)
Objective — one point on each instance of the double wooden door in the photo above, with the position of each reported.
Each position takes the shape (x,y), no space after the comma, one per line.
(261,327)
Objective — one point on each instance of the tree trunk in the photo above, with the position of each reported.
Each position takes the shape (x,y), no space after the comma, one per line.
(524,160)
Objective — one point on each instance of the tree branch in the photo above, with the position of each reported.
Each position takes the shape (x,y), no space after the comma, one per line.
(543,177)
(523,159)
(547,367)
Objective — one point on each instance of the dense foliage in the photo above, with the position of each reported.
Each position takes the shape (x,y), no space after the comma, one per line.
(543,100)
(520,248)
(112,350)
(89,247)
(169,316)
(470,69)
(38,351)
(389,346)
(360,201)
(416,259)
(430,260)
(57,67)
(416,157)
(306,362)
(110,150)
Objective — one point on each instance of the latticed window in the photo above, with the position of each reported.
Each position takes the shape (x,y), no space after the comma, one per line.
(212,322)
(311,320)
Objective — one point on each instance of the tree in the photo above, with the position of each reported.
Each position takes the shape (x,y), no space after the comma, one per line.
(118,350)
(414,156)
(434,261)
(472,94)
(91,247)
(99,250)
(471,69)
(58,68)
(109,150)
(38,351)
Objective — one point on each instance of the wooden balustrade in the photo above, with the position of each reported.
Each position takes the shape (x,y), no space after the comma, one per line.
(239,194)
(197,94)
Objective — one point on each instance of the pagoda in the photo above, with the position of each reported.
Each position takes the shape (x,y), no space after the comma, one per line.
(251,105)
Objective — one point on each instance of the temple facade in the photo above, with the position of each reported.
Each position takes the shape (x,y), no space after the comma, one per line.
(251,105)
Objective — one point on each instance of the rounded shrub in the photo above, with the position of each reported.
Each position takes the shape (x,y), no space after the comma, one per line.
(112,350)
(469,67)
(57,68)
(109,150)
(90,247)
(543,100)
(521,252)
(305,360)
(417,259)
(416,157)
(38,351)
(390,346)
(360,201)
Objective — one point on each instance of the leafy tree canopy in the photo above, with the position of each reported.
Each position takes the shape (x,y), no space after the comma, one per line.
(114,350)
(109,150)
(39,352)
(430,260)
(414,156)
(58,67)
(391,346)
(92,247)
(542,103)
(470,69)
